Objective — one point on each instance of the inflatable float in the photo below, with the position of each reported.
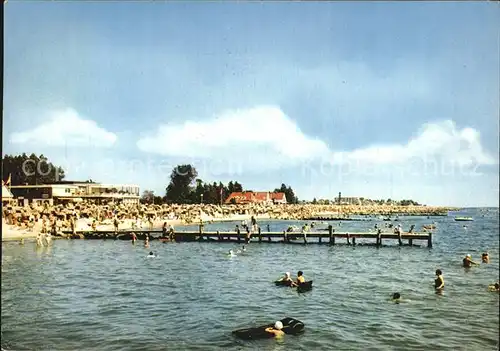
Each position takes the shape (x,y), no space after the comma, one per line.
(283,283)
(306,286)
(291,326)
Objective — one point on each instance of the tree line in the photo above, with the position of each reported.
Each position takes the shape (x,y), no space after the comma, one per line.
(30,170)
(186,188)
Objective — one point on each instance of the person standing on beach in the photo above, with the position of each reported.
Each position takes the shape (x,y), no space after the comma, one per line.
(72,225)
(115,223)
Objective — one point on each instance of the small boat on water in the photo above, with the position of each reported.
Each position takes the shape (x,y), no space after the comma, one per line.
(464,219)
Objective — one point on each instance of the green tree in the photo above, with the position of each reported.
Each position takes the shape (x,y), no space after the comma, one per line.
(157,200)
(198,192)
(147,197)
(289,193)
(314,201)
(237,187)
(181,184)
(31,170)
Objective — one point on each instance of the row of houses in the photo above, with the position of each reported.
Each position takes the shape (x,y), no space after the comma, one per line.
(247,197)
(69,191)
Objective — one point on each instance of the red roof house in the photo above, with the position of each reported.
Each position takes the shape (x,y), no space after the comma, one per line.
(247,197)
(278,198)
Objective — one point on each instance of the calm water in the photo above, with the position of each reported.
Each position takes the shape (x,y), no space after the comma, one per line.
(106,295)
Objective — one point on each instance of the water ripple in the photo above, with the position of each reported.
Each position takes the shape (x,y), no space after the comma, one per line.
(106,295)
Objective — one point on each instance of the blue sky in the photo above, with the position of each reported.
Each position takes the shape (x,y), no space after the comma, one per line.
(380,100)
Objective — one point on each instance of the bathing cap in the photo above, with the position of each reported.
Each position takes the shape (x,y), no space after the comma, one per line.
(287,274)
(278,325)
(468,255)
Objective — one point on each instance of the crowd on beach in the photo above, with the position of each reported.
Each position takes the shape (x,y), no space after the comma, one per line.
(92,217)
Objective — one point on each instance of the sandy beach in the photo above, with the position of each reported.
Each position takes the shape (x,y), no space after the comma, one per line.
(25,222)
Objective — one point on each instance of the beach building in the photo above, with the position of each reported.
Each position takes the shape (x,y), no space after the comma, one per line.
(260,197)
(349,200)
(69,191)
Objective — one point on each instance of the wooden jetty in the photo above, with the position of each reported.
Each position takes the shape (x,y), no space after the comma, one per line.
(330,237)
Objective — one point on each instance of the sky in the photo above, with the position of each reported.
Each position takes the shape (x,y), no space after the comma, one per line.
(379,100)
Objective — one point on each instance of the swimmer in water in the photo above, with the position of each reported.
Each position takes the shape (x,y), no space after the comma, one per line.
(300,279)
(276,330)
(467,262)
(396,298)
(286,279)
(439,281)
(494,287)
(485,258)
(231,253)
(243,249)
(151,254)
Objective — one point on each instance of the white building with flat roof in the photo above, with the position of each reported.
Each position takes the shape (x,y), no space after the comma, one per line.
(66,191)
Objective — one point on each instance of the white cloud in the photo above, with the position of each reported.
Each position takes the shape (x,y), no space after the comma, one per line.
(262,135)
(66,128)
(439,139)
(266,137)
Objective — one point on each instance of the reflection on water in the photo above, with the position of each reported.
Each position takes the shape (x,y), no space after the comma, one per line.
(107,295)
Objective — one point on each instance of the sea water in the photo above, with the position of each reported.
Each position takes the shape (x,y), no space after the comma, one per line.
(107,295)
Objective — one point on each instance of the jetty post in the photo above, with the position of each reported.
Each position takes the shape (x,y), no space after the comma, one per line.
(260,235)
(330,232)
(238,232)
(429,240)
